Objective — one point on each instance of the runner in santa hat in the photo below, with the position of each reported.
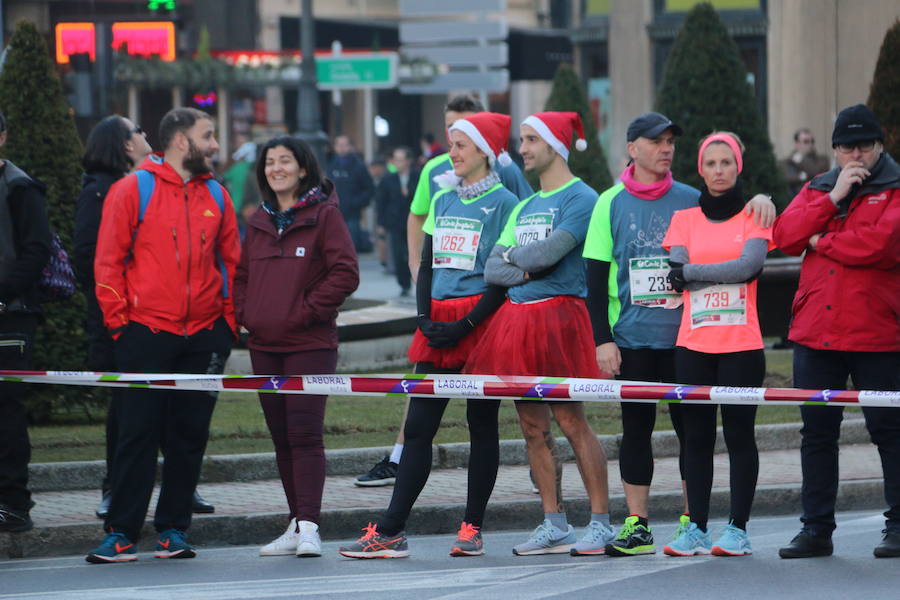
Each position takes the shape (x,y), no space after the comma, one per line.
(455,306)
(544,327)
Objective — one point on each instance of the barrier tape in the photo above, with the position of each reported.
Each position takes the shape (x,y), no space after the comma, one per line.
(465,386)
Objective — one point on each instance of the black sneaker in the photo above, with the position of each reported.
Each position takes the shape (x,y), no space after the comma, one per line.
(383,473)
(890,545)
(633,538)
(12,520)
(807,545)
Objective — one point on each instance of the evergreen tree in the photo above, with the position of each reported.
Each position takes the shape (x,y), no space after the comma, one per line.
(705,89)
(43,141)
(568,95)
(884,95)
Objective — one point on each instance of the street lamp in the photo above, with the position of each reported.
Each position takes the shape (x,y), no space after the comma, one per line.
(309,116)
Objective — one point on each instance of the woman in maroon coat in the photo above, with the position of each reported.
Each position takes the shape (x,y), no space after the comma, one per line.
(297,267)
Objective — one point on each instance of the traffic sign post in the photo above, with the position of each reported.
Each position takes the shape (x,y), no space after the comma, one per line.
(355,71)
(463,39)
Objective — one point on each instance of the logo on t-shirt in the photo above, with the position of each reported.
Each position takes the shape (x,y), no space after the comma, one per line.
(300,251)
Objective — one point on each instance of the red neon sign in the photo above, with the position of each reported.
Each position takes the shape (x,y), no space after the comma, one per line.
(146,38)
(142,39)
(74,38)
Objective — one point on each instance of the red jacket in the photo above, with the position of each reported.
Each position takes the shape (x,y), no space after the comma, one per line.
(165,273)
(849,293)
(288,287)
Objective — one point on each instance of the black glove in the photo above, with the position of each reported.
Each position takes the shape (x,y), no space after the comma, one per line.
(426,326)
(447,335)
(676,276)
(532,276)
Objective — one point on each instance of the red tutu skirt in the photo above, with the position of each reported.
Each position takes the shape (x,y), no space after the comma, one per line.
(552,338)
(452,309)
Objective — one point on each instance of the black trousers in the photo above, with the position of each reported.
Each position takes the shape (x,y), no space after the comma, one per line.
(147,419)
(421,426)
(829,369)
(738,369)
(639,419)
(400,256)
(16,341)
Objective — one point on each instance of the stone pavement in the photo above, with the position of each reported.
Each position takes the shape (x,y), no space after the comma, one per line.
(252,512)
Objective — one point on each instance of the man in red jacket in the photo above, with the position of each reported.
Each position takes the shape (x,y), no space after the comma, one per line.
(846,317)
(166,254)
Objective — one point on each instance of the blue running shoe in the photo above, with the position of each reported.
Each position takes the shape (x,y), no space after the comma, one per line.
(732,542)
(547,539)
(114,548)
(172,544)
(689,542)
(596,536)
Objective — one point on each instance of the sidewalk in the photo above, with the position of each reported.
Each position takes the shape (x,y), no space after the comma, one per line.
(254,512)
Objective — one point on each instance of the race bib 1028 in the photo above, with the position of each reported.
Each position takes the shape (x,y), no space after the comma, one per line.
(533,228)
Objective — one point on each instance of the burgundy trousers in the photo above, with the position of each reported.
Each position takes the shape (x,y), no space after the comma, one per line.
(296,423)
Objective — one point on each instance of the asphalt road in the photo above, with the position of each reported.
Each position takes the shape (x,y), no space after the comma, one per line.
(234,573)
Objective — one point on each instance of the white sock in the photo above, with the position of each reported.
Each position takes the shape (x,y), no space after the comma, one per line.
(395,453)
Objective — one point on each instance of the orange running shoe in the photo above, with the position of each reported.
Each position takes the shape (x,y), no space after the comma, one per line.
(375,545)
(468,541)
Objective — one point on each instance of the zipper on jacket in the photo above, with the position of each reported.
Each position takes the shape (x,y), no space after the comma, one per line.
(187,218)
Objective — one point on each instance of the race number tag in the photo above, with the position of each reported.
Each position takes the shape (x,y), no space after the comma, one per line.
(455,243)
(533,228)
(650,283)
(723,304)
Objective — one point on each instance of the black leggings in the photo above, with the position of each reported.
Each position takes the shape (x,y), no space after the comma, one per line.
(422,423)
(639,419)
(738,369)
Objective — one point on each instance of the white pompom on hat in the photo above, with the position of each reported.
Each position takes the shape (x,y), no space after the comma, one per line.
(557,129)
(490,132)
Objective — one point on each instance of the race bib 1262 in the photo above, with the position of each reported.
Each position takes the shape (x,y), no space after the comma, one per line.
(455,243)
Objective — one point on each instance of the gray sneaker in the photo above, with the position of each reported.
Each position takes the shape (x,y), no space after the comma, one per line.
(596,536)
(547,539)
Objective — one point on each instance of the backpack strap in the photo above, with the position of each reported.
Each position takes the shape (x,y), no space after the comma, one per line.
(215,190)
(146,185)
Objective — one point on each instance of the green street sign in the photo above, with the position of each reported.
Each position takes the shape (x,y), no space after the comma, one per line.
(357,70)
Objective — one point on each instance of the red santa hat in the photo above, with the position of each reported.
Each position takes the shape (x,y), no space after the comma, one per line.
(490,132)
(556,128)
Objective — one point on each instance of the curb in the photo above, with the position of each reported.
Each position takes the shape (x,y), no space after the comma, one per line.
(87,475)
(261,528)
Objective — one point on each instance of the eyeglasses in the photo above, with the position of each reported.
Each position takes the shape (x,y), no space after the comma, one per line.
(863,147)
(139,130)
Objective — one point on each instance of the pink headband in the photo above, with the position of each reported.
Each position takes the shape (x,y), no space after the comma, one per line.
(726,139)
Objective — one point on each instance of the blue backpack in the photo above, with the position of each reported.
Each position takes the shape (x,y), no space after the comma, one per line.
(146,186)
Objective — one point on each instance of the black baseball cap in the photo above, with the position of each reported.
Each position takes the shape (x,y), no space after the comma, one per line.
(650,125)
(856,124)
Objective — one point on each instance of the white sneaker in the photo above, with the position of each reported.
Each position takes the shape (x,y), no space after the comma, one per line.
(285,544)
(308,541)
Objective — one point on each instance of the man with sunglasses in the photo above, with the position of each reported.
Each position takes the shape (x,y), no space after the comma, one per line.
(846,317)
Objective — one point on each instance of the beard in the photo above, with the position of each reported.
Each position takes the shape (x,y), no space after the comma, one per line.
(195,161)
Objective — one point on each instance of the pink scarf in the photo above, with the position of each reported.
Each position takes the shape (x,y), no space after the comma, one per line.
(644,191)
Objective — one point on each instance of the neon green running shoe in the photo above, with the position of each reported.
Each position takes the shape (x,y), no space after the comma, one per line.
(634,538)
